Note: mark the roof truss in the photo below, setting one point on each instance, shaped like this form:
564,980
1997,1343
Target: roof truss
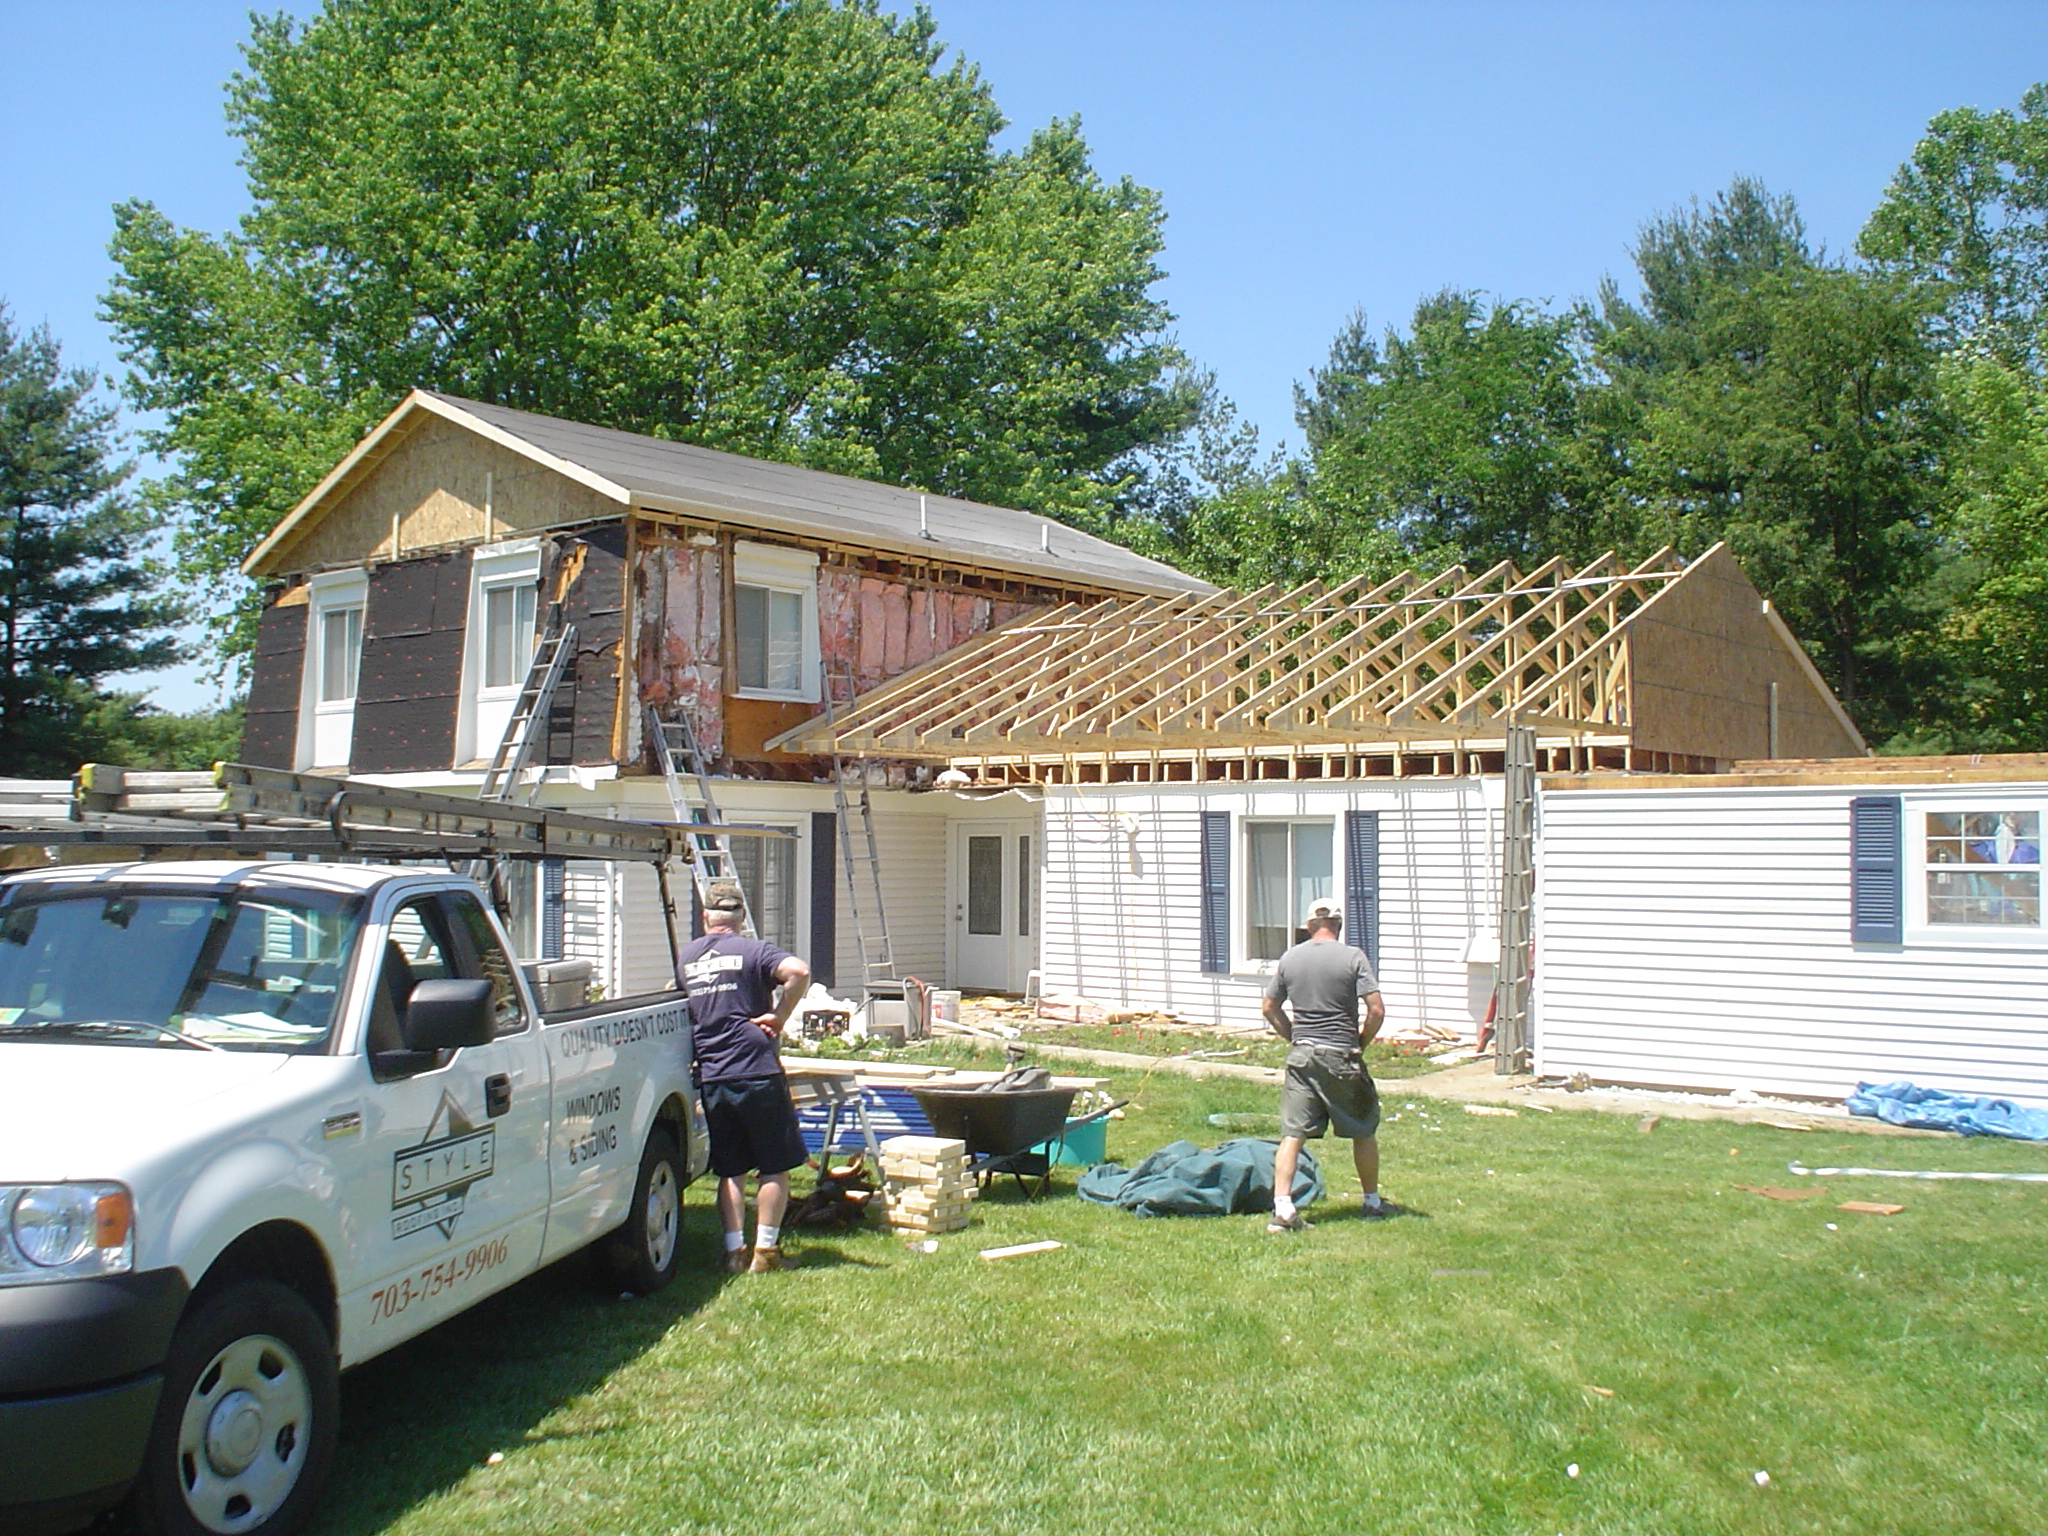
1452,656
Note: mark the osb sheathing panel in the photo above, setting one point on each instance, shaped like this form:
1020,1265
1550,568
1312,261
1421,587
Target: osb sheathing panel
1703,657
438,482
590,573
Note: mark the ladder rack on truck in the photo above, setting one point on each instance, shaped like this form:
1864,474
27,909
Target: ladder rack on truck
236,807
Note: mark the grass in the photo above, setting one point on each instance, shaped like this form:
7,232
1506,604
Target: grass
1428,1374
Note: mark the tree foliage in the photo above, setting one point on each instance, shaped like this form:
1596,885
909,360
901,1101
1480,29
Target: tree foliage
77,602
1968,212
779,227
1762,394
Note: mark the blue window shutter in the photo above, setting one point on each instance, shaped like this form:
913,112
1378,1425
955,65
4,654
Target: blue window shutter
824,896
553,885
1877,904
1362,882
696,910
1216,892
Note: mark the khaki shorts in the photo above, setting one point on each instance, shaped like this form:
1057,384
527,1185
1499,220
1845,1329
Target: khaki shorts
1326,1087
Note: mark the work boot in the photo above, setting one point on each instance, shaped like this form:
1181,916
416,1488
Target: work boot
766,1260
737,1260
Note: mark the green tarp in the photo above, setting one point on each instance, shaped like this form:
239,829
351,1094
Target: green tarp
1233,1179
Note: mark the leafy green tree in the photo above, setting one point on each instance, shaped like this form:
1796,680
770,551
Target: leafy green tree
1993,636
1765,395
1969,211
125,728
779,227
77,601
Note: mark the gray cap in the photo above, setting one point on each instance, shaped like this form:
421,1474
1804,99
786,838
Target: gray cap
724,896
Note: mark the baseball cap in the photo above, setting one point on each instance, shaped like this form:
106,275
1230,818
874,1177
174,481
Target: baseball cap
724,896
1318,910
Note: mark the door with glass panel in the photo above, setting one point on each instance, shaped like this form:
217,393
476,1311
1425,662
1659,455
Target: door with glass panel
995,904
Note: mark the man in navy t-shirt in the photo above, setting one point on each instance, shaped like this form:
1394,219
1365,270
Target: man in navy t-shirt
736,1018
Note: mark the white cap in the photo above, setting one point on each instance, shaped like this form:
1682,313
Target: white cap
1318,910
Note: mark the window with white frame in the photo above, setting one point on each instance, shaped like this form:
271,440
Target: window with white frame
504,604
775,623
334,657
766,868
1289,864
1981,868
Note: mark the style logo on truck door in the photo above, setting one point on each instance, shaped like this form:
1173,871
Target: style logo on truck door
430,1182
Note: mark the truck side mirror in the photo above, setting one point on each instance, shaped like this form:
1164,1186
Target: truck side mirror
447,1015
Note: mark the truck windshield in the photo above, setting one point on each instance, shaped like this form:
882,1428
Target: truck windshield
245,969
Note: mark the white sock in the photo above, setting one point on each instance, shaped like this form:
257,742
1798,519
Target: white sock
1372,1201
735,1241
1283,1207
767,1237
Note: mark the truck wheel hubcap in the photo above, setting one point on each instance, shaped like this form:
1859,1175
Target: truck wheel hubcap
243,1436
662,1213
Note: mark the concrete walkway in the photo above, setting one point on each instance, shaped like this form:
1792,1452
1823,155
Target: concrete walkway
1475,1082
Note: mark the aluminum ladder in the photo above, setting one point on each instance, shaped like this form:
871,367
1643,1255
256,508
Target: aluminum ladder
860,856
1511,1039
682,766
551,655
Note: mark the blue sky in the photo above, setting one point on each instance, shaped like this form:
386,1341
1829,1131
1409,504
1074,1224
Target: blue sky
1314,157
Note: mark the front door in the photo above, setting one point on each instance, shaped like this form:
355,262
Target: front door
995,904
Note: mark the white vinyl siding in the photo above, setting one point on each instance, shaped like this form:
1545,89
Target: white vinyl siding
1700,939
913,847
1121,901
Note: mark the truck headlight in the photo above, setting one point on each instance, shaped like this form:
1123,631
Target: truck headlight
65,1232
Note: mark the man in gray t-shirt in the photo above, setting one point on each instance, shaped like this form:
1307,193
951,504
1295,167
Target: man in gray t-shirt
1326,1086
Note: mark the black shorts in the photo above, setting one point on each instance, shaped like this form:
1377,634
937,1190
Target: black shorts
753,1127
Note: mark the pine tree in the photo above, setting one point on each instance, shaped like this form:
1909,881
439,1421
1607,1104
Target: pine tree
78,603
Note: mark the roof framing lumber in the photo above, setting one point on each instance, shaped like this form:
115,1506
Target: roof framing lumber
1453,656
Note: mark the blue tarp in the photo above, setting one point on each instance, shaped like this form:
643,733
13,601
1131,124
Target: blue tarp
1181,1179
1936,1109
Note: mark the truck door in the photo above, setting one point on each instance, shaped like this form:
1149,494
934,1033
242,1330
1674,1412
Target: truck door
446,1188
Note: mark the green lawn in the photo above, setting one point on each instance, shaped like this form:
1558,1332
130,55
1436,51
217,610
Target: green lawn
1387,1061
1428,1374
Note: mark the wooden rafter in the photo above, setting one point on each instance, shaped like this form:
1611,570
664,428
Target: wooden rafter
1451,656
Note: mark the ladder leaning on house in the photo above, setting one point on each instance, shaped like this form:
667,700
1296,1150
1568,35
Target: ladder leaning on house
551,653
683,769
862,860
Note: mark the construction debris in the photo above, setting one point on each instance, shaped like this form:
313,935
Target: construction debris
1917,1173
925,1184
1492,1109
1649,1123
1870,1207
1017,1249
1772,1192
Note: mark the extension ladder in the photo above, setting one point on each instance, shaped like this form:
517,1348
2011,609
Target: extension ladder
861,856
683,766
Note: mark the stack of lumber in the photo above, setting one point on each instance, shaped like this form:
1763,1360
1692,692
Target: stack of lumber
925,1183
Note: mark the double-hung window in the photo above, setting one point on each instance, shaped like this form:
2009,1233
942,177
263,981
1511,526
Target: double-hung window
504,604
334,657
1289,865
775,623
1948,868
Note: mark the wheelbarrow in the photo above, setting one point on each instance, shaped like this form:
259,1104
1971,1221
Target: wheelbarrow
1001,1129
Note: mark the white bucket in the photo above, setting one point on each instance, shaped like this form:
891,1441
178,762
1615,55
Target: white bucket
946,1006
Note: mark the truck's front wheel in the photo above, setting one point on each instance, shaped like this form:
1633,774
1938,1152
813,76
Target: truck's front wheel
246,1425
644,1250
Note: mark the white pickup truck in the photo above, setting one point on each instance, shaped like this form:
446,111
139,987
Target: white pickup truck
262,1121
